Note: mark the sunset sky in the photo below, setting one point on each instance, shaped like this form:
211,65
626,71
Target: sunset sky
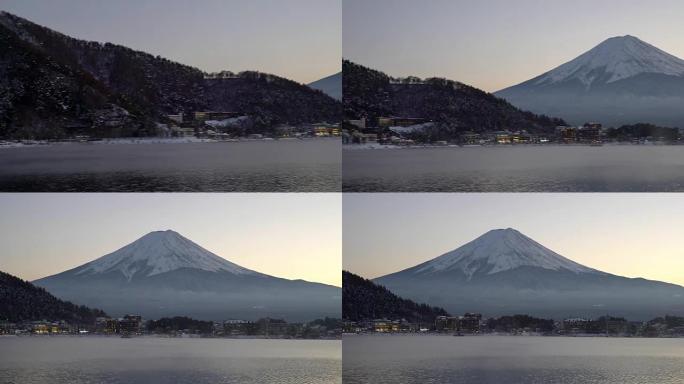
493,44
633,235
297,39
295,236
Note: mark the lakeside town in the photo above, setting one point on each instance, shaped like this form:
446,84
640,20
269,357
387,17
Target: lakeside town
135,325
523,325
417,131
200,126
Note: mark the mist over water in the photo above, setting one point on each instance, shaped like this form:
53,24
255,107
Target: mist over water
112,360
611,168
512,360
280,166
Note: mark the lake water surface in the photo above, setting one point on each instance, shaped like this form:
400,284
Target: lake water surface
551,168
248,166
158,360
381,359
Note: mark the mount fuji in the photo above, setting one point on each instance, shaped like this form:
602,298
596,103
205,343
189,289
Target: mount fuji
165,274
331,85
623,80
504,272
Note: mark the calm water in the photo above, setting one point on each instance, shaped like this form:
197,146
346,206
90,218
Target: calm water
614,168
511,360
156,360
292,165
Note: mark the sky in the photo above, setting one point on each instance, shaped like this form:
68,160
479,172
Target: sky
294,236
633,235
297,39
493,44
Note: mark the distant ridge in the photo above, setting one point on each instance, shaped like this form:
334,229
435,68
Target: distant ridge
22,301
331,85
54,85
364,300
455,106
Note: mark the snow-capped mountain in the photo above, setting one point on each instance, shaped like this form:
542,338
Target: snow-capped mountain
497,251
165,274
331,85
615,59
160,252
505,272
623,80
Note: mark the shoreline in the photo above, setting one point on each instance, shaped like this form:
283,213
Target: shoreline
155,336
373,146
577,336
150,140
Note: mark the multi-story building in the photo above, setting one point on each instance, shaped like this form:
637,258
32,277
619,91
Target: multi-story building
214,115
589,133
130,324
394,121
469,322
565,134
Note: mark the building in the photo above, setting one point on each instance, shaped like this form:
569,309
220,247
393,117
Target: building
386,122
130,324
360,123
565,134
382,325
469,322
237,327
326,130
503,137
268,326
575,325
470,138
521,137
178,118
214,115
589,133
106,325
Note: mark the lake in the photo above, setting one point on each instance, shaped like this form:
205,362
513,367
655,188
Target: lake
551,168
248,166
110,360
381,359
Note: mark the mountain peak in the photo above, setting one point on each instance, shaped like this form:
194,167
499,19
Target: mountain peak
156,253
614,59
499,250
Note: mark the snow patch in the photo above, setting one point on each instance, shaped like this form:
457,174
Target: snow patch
160,252
497,251
617,58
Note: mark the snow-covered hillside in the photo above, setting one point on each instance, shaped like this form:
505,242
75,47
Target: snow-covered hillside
160,252
615,59
497,251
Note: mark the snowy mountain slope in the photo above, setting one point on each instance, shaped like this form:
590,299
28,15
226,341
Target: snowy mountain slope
331,85
160,252
505,272
615,59
623,80
165,274
497,251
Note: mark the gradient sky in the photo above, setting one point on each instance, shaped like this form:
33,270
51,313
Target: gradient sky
633,235
295,236
297,39
493,44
